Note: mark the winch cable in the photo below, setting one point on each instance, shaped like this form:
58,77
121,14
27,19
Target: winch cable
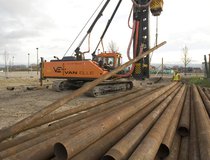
77,50
83,27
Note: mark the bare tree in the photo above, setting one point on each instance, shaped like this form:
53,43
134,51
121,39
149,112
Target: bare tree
185,58
112,47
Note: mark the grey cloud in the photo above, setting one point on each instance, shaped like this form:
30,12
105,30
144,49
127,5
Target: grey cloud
21,19
23,13
19,34
194,39
15,8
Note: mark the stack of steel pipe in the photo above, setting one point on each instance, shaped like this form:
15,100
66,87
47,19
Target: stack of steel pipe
192,138
82,131
74,121
167,122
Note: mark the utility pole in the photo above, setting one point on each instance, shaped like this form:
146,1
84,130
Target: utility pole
162,67
206,67
28,62
13,62
37,66
10,65
6,67
209,68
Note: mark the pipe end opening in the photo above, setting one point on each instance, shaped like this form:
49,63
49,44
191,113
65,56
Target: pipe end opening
163,151
183,131
108,157
60,151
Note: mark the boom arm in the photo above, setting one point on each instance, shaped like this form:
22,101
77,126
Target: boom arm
77,50
106,28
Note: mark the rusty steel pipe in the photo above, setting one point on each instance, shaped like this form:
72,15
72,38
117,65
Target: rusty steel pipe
25,123
208,90
184,123
184,152
45,133
59,125
106,106
44,144
71,111
70,129
193,141
205,100
148,148
124,148
207,94
71,146
45,150
75,127
100,147
166,144
203,125
175,148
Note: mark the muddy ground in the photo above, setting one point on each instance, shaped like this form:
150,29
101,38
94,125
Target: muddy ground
19,103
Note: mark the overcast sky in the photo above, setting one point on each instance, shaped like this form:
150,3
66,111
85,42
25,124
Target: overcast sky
51,25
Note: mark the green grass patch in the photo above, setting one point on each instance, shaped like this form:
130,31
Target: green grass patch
203,82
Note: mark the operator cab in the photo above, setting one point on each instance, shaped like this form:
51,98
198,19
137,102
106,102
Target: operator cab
109,60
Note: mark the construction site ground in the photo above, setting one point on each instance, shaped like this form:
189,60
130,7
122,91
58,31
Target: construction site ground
21,102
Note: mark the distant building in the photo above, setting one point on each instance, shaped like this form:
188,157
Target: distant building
197,70
176,67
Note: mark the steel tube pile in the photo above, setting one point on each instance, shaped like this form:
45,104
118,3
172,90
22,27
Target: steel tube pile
139,124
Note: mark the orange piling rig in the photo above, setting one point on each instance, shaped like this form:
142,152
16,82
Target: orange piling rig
26,123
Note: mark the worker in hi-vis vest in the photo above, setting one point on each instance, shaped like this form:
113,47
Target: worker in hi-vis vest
176,76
